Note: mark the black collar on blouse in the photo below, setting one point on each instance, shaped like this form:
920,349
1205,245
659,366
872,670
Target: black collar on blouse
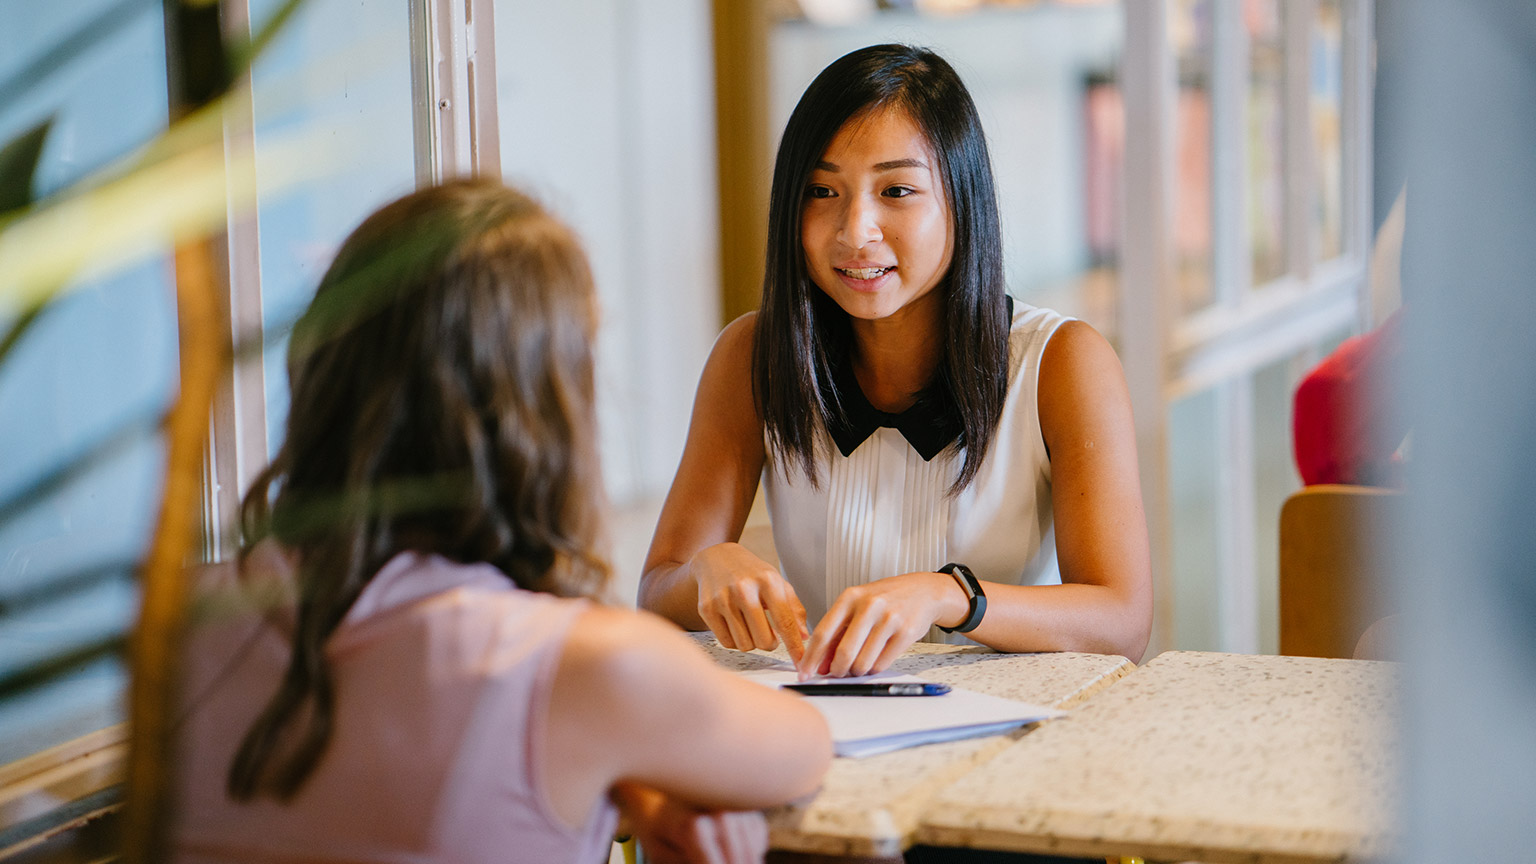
929,425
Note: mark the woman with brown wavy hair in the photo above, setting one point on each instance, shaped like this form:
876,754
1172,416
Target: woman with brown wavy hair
402,675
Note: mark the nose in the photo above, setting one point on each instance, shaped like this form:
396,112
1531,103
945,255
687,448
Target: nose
860,224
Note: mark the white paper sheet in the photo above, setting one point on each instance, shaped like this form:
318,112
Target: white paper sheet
866,725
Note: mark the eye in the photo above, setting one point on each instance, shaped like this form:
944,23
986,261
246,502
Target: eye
899,191
818,192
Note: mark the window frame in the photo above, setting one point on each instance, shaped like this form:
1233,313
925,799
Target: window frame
1167,355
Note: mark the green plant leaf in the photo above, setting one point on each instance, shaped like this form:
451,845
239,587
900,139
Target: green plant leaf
240,52
177,194
321,514
18,164
61,664
59,584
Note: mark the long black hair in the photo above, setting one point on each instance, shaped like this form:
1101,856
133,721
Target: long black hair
442,385
800,330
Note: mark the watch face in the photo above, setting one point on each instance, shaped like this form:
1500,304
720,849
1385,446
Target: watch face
964,576
969,578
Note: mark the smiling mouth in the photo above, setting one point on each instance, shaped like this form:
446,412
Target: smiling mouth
864,272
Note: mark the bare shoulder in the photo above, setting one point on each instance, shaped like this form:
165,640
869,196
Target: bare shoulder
1076,348
604,639
637,699
623,656
726,385
733,347
613,690
1081,380
1078,357
741,329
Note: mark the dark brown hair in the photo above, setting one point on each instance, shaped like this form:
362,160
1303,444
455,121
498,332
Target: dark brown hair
800,330
442,389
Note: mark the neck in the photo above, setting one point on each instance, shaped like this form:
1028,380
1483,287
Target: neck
895,357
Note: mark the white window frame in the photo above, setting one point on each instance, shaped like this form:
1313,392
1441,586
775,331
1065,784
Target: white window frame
1167,356
453,82
454,118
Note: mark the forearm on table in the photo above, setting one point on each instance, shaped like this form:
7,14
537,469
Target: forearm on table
669,590
1095,619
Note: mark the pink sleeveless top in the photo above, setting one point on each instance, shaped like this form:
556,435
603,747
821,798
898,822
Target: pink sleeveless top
443,673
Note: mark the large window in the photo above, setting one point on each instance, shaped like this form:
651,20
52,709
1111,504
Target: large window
92,374
1288,142
340,77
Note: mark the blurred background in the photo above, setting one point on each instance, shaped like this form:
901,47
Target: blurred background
1216,185
1194,178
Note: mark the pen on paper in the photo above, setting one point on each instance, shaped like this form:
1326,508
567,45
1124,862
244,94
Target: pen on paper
893,689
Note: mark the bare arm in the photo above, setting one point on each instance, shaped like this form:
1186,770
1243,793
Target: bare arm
696,574
634,700
1104,603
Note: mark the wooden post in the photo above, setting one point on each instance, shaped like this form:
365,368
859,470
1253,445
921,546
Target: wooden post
197,73
745,164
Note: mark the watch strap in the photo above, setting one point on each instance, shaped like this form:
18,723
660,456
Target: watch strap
972,588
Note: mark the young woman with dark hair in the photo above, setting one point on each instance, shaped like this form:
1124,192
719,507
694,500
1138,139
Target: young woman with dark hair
930,448
392,671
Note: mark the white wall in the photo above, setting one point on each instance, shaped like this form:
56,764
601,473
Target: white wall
607,115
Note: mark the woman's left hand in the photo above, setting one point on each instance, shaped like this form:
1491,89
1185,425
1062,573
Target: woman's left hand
869,625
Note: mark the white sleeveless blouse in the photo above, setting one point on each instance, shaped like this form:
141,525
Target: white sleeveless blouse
882,510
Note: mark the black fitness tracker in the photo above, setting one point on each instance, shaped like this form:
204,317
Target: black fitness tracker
972,588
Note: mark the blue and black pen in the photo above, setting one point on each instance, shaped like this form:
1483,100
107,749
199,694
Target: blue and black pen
900,688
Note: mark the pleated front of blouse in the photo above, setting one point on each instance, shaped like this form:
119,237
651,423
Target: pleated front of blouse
883,510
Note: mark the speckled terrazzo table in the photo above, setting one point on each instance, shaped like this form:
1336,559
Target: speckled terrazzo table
872,806
1207,757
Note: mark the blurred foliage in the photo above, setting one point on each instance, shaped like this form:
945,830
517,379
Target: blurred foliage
180,187
178,191
18,164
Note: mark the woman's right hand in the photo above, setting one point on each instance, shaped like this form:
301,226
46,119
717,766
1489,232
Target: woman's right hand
745,602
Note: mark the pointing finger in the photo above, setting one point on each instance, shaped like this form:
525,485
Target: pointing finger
817,651
788,628
788,619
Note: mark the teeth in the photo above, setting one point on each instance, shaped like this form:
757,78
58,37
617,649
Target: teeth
864,272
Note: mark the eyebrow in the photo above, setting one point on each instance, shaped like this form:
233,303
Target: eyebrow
879,166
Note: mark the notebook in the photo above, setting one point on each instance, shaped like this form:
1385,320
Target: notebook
867,725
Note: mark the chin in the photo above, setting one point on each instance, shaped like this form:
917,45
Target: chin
868,307
873,314
869,311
